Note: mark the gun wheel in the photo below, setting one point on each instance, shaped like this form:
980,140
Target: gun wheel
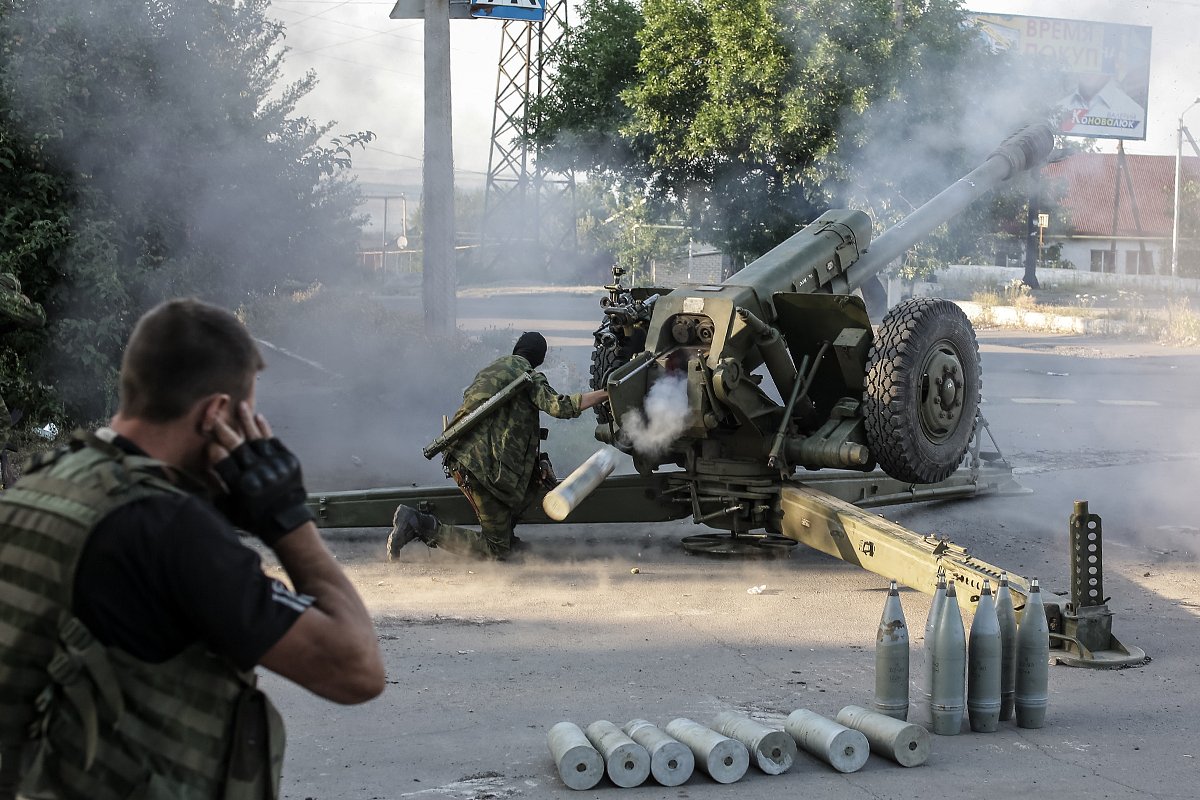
611,351
922,390
605,358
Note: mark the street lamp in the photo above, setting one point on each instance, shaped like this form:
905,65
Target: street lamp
1178,170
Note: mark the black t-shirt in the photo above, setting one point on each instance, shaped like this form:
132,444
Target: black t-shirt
160,574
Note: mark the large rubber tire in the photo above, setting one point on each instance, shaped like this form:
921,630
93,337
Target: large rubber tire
605,358
922,390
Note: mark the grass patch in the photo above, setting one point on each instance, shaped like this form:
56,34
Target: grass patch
1182,326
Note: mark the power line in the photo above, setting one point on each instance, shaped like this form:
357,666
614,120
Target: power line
326,11
394,33
391,153
338,44
389,45
393,23
372,67
418,159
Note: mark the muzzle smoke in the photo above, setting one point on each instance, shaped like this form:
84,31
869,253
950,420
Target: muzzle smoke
653,429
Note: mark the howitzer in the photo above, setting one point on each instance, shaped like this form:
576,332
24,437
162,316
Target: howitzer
904,397
846,398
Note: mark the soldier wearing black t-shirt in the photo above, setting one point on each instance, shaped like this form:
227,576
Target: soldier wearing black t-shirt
127,560
132,617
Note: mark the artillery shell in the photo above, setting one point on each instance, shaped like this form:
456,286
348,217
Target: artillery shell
579,764
935,608
774,751
891,659
565,497
671,762
844,749
723,759
1031,695
984,661
627,761
1008,641
949,669
902,742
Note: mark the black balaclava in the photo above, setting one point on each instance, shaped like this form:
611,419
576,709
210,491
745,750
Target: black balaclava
532,347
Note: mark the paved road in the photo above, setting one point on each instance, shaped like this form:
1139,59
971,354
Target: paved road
483,659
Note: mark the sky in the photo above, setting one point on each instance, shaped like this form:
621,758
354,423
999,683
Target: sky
370,73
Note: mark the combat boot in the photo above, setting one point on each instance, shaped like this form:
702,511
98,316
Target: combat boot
408,524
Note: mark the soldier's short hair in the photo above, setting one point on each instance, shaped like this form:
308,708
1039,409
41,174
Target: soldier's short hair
182,351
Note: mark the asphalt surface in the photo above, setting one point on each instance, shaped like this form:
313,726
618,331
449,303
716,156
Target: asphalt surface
484,658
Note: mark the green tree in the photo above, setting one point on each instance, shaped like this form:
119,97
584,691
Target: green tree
1189,229
751,118
153,155
577,125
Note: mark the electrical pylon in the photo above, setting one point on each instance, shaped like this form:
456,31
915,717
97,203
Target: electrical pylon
529,211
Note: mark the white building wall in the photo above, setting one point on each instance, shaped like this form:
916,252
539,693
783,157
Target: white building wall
1079,252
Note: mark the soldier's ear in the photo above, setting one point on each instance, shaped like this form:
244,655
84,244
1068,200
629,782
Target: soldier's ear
212,408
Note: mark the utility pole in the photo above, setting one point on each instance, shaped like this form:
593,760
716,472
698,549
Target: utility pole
438,280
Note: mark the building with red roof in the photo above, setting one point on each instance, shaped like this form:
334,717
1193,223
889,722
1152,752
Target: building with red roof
1142,196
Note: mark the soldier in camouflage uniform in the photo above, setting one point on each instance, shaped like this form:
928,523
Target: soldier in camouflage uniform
496,464
16,311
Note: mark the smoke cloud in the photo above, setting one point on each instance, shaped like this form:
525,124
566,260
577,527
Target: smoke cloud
652,430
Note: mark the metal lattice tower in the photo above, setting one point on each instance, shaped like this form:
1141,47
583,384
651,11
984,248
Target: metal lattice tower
529,211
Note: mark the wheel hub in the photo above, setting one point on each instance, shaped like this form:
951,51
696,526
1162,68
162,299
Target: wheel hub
942,392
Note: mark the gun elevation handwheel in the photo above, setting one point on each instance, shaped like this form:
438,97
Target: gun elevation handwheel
922,390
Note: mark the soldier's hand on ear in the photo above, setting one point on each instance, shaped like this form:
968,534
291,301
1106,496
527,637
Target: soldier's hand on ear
266,495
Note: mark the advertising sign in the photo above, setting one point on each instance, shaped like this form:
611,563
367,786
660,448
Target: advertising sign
530,10
1107,65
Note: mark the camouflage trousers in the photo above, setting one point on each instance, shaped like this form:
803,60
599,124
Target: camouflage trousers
6,470
6,426
496,520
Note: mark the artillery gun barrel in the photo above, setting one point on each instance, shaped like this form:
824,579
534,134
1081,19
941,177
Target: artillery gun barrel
1023,150
835,252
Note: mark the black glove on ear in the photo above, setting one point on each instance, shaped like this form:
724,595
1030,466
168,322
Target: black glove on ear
266,489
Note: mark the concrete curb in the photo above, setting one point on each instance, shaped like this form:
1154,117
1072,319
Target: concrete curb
1012,317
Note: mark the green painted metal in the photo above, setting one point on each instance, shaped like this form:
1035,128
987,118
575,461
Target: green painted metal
659,497
621,498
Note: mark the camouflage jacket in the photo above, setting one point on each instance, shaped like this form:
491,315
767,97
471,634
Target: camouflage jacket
501,451
18,311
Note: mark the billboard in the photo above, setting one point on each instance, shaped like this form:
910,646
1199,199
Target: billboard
529,10
1107,67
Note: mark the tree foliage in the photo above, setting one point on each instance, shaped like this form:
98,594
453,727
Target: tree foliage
577,125
750,118
149,152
